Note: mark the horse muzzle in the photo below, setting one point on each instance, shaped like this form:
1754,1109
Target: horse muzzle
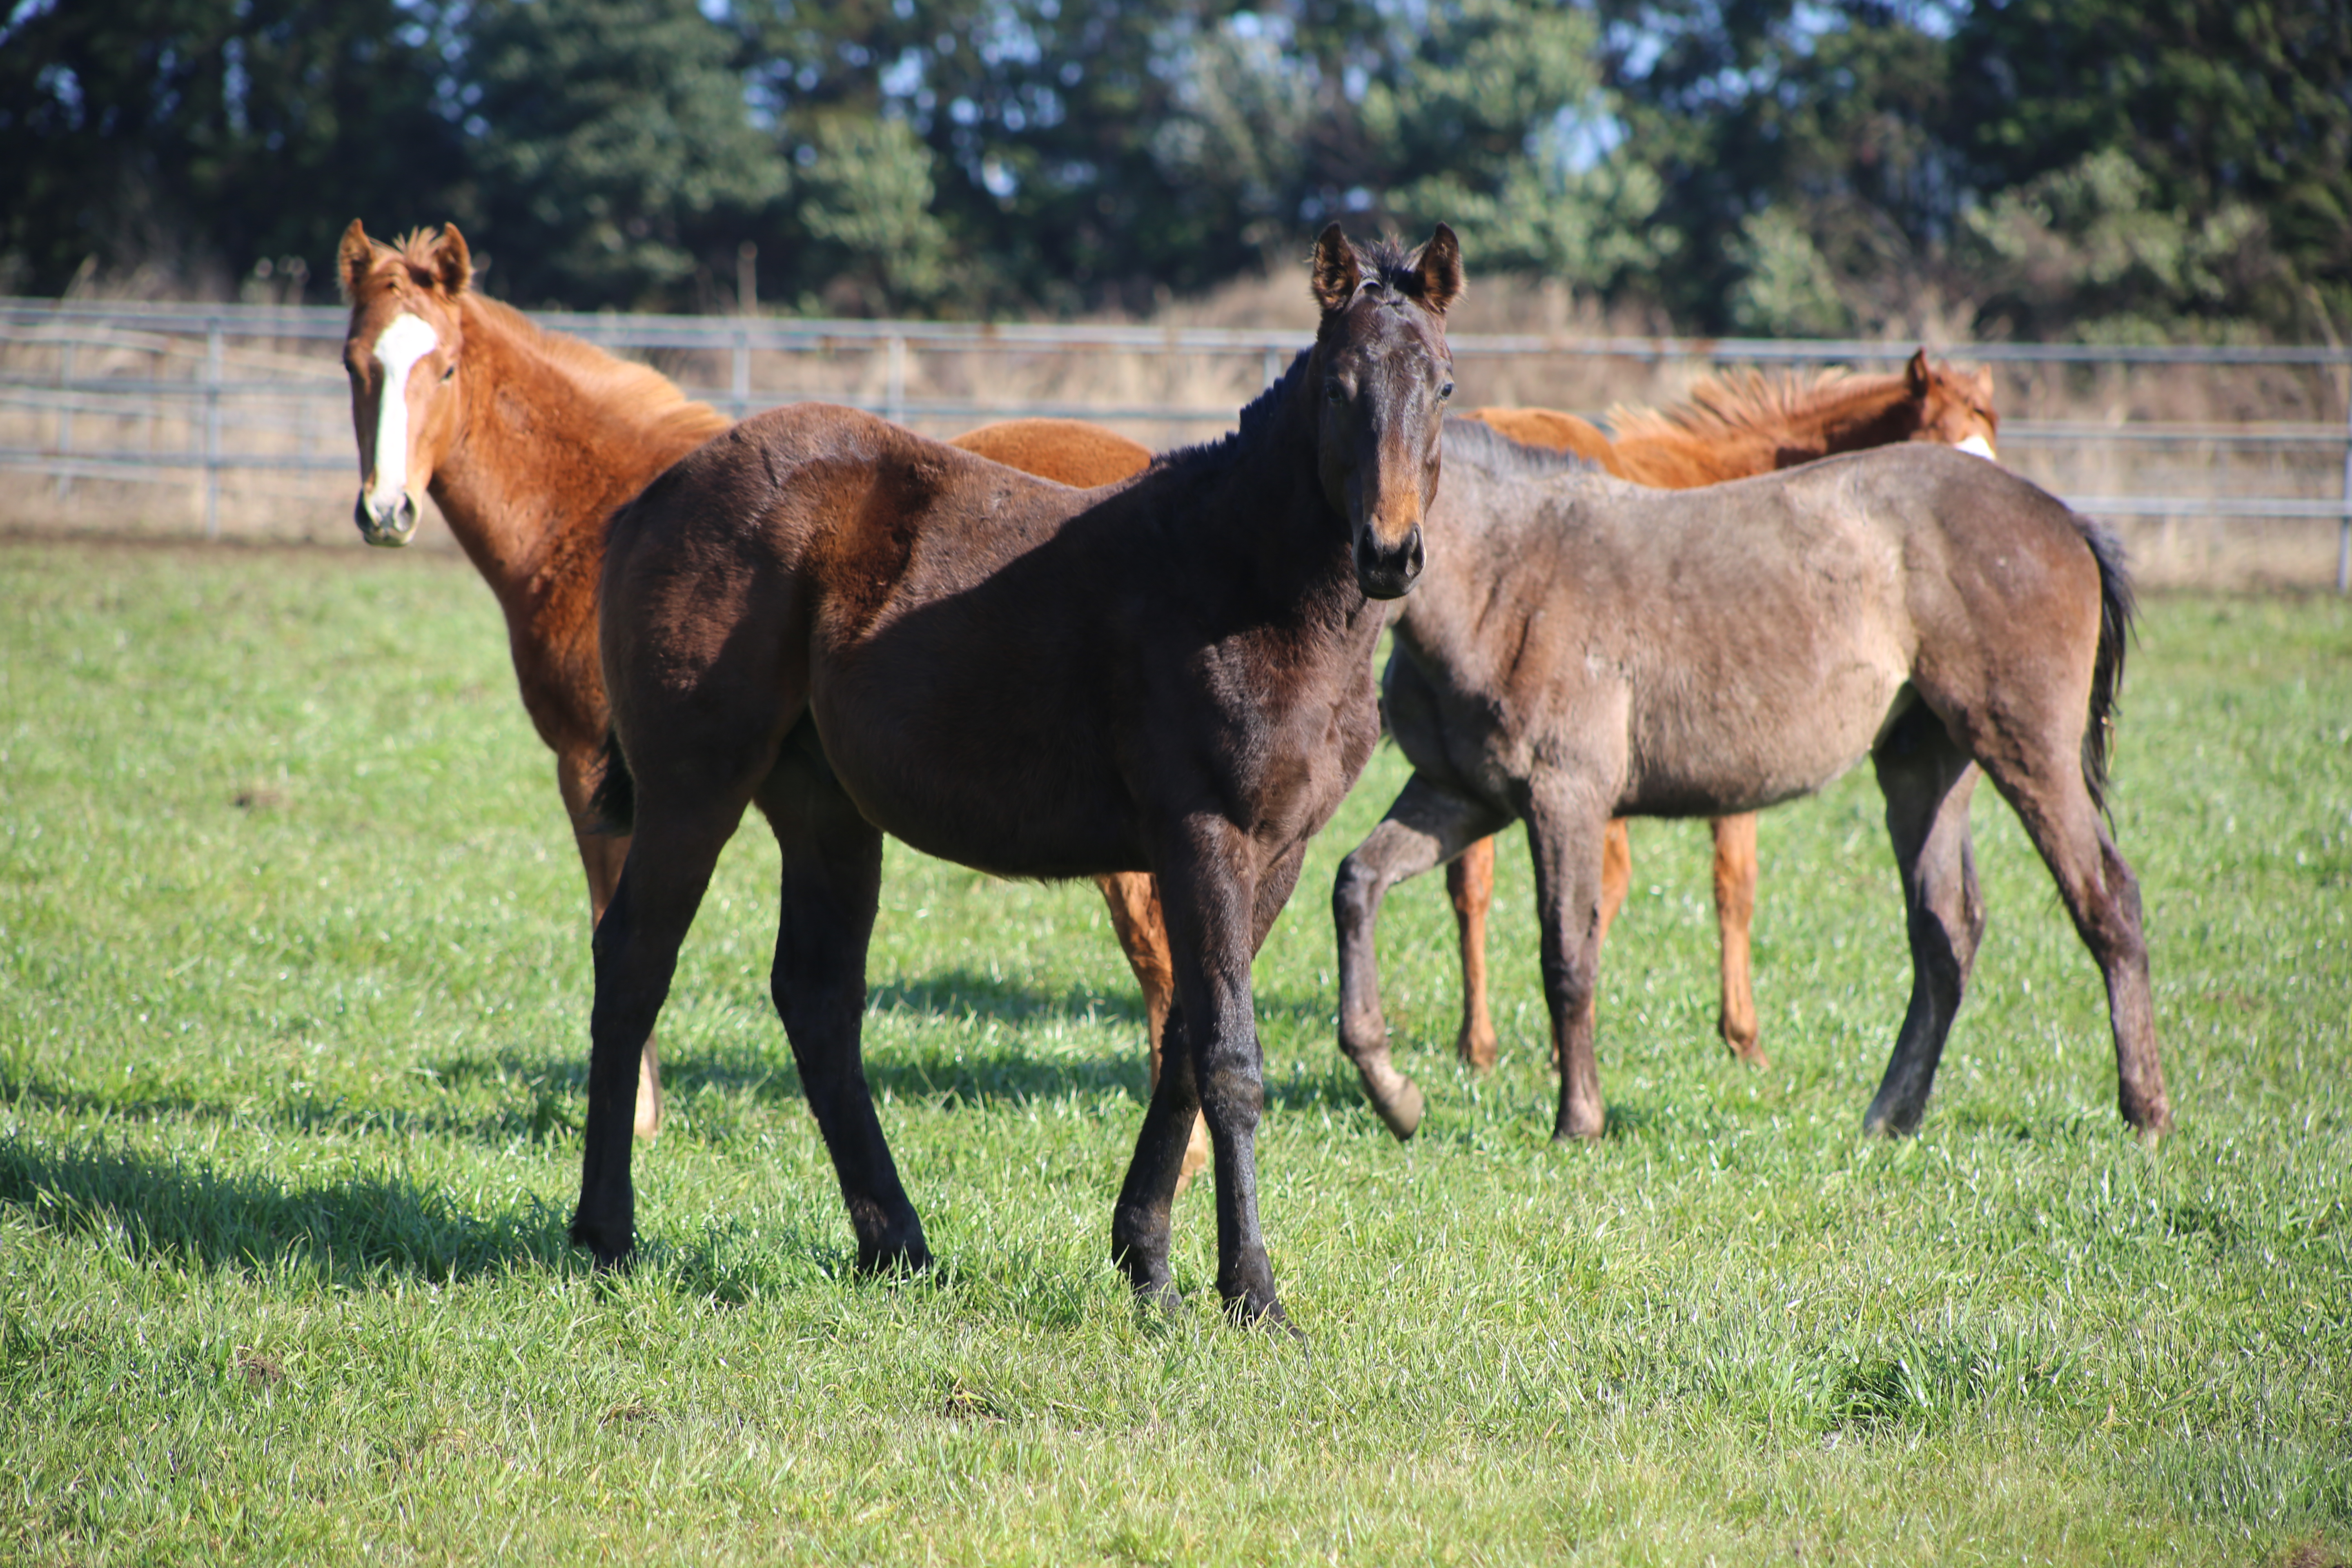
1388,571
389,526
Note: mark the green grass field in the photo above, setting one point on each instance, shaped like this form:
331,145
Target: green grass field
293,1003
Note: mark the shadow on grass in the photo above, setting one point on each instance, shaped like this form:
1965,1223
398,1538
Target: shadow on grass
350,1233
361,1233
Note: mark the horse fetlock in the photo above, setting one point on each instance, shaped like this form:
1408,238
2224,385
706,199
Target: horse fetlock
2151,1115
1477,1046
1394,1096
611,1246
888,1241
1743,1038
1246,1284
1138,1248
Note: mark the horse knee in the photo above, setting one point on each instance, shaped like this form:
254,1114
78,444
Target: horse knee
1232,1094
1357,891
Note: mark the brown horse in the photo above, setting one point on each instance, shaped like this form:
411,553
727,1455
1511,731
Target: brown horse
1731,428
1920,606
528,441
861,631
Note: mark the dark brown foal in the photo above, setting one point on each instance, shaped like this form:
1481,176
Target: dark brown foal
860,631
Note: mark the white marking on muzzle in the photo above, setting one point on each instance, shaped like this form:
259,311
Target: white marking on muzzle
1977,445
397,349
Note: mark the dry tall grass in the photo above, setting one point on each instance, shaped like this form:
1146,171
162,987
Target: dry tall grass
2081,430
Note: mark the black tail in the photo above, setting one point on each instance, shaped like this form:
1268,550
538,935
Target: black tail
2116,610
614,802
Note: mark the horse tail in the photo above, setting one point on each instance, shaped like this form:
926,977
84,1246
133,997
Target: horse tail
2116,607
613,803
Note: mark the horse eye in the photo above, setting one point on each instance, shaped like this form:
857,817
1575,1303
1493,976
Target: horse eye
1335,393
450,371
1445,391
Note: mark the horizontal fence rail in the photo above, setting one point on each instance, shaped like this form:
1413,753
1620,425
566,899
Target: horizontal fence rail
199,394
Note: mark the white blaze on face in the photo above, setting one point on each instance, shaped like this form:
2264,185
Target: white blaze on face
1979,446
398,349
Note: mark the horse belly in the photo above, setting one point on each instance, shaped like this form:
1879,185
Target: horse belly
951,782
1755,744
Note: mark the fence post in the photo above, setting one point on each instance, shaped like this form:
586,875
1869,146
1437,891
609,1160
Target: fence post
2344,524
212,427
1273,364
894,399
742,369
65,420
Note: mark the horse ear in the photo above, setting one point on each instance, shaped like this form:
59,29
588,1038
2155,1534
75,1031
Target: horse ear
1438,265
453,265
1335,273
353,259
1983,381
1917,375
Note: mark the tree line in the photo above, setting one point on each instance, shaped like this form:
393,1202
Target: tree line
2103,169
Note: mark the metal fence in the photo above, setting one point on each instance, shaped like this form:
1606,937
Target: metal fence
239,408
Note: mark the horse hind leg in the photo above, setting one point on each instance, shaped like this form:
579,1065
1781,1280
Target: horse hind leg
669,867
1927,780
1470,883
1133,899
1735,919
602,854
2102,896
831,886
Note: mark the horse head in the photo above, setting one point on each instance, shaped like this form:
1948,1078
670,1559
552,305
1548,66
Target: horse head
1954,409
401,352
1381,373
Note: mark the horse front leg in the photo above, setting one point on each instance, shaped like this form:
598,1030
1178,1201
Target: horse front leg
831,886
1426,826
1565,837
1210,891
602,853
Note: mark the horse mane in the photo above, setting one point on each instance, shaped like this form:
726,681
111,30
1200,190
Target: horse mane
1481,447
1749,403
635,392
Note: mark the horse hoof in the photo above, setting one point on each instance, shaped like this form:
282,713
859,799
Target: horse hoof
893,1260
1251,1311
1478,1051
1400,1109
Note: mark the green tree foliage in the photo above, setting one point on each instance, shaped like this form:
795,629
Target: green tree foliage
613,149
209,134
2088,167
2230,122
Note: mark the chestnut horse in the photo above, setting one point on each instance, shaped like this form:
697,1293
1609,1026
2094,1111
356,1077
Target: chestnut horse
1732,427
526,441
1917,605
860,631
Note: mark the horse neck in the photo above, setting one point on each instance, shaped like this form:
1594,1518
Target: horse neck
537,464
1232,491
1876,412
1873,412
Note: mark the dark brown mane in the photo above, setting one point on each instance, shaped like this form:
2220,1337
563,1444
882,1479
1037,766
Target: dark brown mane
1749,403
